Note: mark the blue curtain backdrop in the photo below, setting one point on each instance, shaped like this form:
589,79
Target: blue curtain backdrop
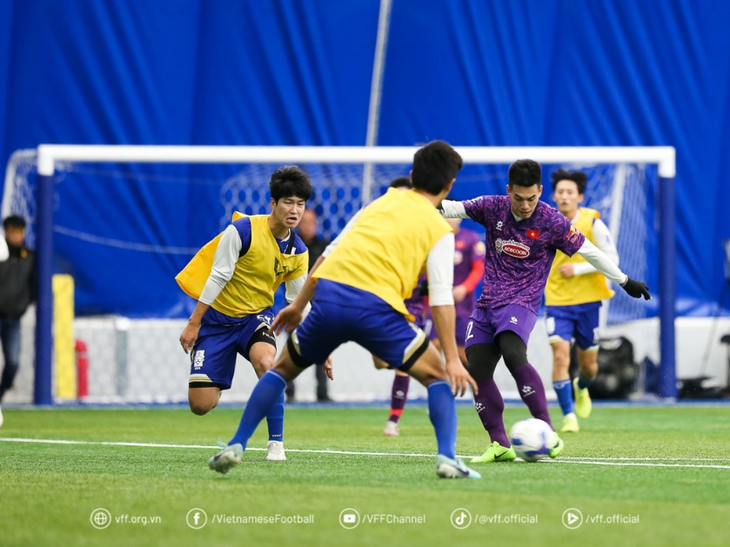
289,72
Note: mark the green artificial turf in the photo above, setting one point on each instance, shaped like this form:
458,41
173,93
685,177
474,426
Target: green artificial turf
647,462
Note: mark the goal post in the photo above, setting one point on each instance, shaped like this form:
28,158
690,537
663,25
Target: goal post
49,156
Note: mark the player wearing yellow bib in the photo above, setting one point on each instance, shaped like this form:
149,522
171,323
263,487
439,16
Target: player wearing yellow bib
573,298
234,278
361,286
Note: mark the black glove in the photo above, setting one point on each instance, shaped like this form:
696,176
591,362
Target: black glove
636,289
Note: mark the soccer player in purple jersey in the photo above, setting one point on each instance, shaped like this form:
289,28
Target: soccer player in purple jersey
522,237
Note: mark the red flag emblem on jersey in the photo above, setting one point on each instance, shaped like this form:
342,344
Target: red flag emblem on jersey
533,234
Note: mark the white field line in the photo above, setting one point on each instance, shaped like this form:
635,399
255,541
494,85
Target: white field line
621,462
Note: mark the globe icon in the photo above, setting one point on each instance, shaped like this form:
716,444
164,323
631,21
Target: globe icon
100,519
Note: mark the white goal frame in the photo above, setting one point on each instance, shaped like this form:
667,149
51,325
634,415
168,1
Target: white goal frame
49,154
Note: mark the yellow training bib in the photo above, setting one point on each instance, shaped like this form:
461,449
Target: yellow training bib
578,289
385,251
257,275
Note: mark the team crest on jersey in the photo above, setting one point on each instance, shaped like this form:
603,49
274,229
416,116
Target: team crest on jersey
279,268
512,248
574,232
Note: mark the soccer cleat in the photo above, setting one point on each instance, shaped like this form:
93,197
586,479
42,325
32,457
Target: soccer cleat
570,424
583,404
448,468
496,453
391,429
557,447
226,459
1,417
275,451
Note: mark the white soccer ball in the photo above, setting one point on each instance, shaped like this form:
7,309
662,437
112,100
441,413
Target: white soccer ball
532,439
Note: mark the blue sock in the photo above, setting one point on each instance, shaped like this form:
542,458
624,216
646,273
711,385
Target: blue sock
564,391
265,395
583,383
442,411
275,420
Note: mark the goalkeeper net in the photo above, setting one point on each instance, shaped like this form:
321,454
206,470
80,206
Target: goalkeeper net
123,230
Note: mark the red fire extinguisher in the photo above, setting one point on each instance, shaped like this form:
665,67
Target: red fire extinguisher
82,370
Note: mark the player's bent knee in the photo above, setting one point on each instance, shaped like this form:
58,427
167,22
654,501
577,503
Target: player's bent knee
429,367
203,399
200,410
262,365
202,407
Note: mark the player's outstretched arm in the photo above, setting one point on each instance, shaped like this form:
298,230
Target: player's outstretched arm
605,265
604,241
453,209
289,318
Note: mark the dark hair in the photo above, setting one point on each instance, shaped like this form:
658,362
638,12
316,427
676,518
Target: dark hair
578,177
401,182
524,173
14,221
434,167
290,181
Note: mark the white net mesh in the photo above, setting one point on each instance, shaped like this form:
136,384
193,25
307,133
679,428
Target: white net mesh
139,360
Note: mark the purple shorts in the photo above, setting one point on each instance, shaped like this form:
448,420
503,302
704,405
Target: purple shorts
485,325
461,322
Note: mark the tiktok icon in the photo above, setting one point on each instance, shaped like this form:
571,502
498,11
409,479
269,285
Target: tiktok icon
461,518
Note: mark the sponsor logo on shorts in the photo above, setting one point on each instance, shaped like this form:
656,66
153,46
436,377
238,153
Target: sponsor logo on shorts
264,319
512,248
513,320
198,359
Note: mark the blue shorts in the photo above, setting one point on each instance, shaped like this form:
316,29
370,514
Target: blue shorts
579,322
341,313
221,338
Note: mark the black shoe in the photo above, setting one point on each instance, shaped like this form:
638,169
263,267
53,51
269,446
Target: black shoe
324,399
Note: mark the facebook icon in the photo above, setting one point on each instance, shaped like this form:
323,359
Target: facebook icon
196,518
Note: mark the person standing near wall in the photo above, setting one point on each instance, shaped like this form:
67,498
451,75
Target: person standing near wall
18,290
308,233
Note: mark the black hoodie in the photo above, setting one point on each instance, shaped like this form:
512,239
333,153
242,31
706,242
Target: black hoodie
18,282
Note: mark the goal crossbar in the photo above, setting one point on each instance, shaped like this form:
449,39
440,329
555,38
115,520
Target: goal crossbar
48,154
